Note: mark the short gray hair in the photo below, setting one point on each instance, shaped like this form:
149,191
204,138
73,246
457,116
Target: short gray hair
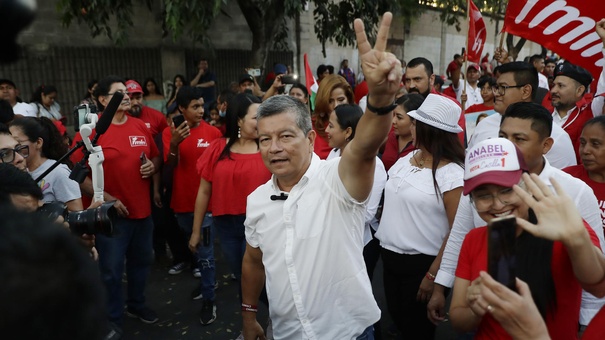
286,104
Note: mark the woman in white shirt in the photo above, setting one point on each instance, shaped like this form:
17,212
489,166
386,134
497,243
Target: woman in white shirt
421,199
44,102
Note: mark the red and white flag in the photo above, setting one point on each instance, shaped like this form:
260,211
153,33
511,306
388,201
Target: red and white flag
565,27
311,83
476,33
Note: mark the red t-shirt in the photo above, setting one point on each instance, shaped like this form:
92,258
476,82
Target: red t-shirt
451,67
153,119
563,323
596,327
360,91
186,181
579,172
233,178
391,151
122,147
478,108
321,147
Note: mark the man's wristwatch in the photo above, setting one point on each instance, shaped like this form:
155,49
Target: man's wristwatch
380,110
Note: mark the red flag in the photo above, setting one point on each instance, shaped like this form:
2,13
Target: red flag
476,33
565,27
310,82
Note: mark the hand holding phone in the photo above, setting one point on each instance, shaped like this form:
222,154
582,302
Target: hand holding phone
143,158
501,259
178,120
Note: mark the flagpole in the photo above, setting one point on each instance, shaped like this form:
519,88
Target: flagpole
468,24
502,38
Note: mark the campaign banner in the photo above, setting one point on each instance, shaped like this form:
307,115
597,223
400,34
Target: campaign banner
565,27
472,119
476,33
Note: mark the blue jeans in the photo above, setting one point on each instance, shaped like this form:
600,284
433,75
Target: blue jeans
204,257
132,239
368,334
231,232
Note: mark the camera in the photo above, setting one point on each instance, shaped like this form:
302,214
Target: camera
91,221
81,114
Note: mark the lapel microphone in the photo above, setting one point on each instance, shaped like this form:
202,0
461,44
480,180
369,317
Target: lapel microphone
281,197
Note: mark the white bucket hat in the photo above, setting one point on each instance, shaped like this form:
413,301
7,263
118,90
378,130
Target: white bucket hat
439,112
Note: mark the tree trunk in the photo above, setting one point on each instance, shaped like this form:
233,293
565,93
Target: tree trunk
513,49
263,27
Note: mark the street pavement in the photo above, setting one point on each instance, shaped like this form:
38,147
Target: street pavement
170,297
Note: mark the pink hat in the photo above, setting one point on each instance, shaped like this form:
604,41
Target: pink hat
493,161
133,87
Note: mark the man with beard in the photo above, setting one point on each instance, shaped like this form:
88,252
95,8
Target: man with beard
153,119
419,78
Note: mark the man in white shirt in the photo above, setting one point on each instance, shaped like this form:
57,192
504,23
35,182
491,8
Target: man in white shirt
473,92
528,126
8,92
518,82
537,61
304,227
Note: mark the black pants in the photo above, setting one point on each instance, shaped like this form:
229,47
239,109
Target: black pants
166,230
402,277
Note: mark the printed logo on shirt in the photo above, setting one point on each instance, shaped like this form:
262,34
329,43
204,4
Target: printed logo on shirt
602,206
148,125
43,185
202,144
137,141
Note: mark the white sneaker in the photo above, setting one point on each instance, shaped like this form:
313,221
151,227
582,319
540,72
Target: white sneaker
197,273
177,268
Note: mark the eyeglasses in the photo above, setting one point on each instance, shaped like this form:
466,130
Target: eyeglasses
124,92
484,201
8,155
501,89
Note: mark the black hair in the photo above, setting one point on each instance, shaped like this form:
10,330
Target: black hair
535,57
183,79
226,96
330,69
103,88
53,146
158,90
438,81
541,119
600,120
524,73
441,145
533,257
550,61
52,288
186,95
237,108
6,112
428,66
348,115
42,89
456,56
301,87
487,80
89,86
16,181
4,130
410,101
321,69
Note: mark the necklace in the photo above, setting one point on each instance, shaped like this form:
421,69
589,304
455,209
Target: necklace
422,160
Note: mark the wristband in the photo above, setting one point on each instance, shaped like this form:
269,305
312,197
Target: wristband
430,276
249,308
380,110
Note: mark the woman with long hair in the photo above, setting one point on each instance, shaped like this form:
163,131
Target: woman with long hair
333,91
420,202
43,101
231,168
178,82
152,95
46,145
399,142
555,264
90,89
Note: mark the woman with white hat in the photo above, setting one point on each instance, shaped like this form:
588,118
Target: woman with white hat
421,199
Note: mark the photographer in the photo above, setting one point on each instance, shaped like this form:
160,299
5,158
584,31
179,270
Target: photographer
18,189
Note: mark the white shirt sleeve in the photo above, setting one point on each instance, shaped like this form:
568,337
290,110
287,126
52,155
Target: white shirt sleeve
598,102
562,154
463,223
380,179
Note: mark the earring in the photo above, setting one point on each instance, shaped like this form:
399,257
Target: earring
239,133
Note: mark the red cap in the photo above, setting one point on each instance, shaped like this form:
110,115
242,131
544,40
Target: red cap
133,87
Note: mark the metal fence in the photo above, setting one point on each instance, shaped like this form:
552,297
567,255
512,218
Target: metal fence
71,68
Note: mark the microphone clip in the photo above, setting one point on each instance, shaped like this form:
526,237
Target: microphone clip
280,197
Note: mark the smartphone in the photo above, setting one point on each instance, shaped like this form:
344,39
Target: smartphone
255,72
80,116
501,261
143,158
288,79
178,120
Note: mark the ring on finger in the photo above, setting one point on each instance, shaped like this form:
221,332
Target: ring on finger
490,308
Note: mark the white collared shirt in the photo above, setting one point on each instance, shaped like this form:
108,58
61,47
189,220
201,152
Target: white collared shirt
560,155
467,219
557,119
312,245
